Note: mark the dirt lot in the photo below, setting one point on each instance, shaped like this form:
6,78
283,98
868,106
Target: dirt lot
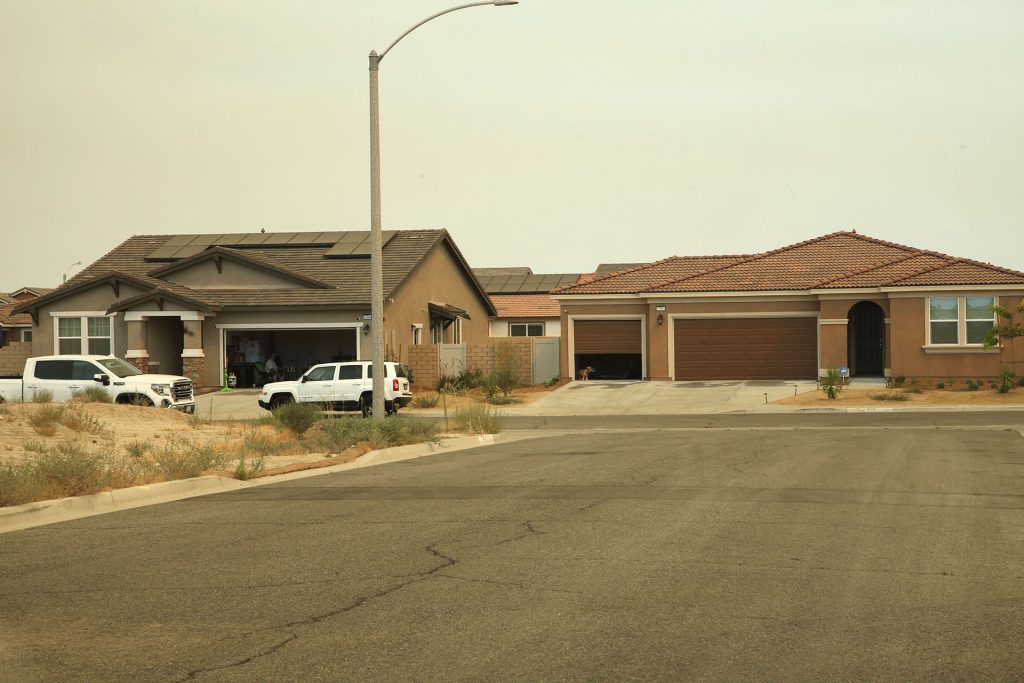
520,396
930,397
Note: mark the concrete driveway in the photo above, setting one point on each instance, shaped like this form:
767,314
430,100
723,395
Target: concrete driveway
663,398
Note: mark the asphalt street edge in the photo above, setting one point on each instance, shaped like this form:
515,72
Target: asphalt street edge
18,517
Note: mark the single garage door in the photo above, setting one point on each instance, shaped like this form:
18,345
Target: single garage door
613,348
746,348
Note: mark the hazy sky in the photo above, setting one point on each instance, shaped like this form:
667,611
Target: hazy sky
556,133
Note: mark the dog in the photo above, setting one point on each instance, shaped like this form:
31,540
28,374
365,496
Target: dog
585,373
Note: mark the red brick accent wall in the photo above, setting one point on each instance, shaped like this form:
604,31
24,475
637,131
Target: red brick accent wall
13,357
141,363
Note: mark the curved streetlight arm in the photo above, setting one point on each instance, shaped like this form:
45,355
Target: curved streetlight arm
441,13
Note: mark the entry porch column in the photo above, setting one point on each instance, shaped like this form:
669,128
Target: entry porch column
193,360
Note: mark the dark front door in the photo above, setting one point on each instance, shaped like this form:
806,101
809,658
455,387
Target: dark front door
867,337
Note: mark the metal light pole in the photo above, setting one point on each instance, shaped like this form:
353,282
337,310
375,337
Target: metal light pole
376,256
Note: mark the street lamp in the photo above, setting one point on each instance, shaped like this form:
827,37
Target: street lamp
68,270
376,246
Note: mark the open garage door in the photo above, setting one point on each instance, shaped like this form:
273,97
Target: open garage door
613,348
247,350
746,348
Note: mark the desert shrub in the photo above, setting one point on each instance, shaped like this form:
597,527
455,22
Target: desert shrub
334,436
940,385
914,390
1020,381
900,379
503,400
1007,381
44,420
891,396
70,470
42,396
832,384
137,448
972,385
298,417
19,483
427,400
35,446
244,470
463,381
262,444
92,395
478,419
79,421
552,382
182,459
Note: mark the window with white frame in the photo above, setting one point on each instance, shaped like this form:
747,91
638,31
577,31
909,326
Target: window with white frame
457,331
417,334
526,329
26,335
959,321
85,335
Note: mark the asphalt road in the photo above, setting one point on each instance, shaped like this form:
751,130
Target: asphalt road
860,553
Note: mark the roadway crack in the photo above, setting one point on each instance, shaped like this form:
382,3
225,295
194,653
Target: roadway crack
358,602
530,531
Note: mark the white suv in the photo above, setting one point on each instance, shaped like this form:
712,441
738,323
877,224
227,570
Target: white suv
342,386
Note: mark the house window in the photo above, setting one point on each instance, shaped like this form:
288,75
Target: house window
85,335
417,335
959,321
526,329
26,335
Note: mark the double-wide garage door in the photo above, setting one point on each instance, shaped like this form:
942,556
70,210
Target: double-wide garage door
746,348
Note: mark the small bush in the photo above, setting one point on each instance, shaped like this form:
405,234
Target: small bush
35,446
92,395
503,400
261,443
464,381
138,448
478,419
900,379
298,417
552,382
44,420
832,384
893,396
972,385
914,390
42,396
940,385
244,472
428,400
1007,381
78,421
19,483
182,459
70,470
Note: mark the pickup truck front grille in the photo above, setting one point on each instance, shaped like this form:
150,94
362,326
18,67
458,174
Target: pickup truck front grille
182,390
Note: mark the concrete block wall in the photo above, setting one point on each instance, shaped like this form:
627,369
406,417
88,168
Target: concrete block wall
13,357
423,361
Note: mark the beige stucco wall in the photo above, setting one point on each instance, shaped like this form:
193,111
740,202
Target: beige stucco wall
99,299
438,279
233,275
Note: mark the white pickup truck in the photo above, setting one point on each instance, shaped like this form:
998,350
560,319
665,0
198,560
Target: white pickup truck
342,386
63,376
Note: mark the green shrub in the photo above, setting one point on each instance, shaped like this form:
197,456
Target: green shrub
832,384
298,417
972,385
42,396
463,381
478,419
503,400
35,446
900,379
914,390
427,400
244,472
44,420
1007,381
940,385
94,394
552,382
260,443
336,435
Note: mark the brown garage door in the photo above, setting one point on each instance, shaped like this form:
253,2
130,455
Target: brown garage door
607,336
746,348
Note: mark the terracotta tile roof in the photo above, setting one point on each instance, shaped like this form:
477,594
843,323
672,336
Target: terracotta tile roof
525,306
10,319
341,281
836,260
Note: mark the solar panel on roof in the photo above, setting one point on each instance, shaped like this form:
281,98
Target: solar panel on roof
164,253
205,240
253,239
179,240
190,250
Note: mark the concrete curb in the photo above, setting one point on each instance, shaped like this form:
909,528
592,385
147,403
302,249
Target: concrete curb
45,512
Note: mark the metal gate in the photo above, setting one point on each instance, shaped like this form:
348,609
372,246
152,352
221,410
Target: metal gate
545,360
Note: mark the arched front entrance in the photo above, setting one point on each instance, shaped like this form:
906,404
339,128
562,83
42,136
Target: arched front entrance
866,339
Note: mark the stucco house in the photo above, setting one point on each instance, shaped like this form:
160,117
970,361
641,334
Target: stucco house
522,300
843,300
17,327
204,305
